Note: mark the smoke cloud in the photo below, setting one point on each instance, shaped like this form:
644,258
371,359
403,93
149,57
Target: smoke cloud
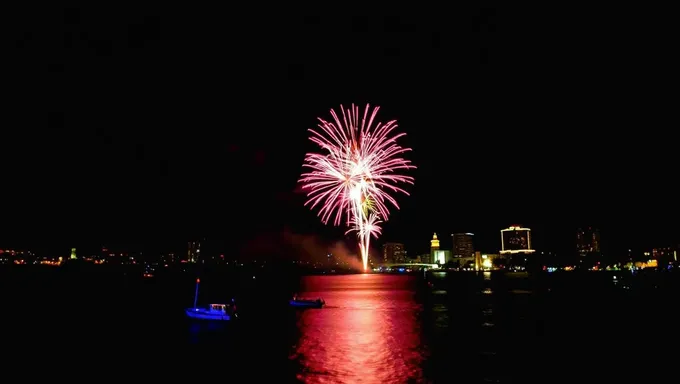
313,249
289,246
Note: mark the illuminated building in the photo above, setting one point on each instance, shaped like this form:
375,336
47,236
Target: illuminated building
516,245
587,241
434,243
73,253
647,264
463,245
194,253
441,256
516,239
485,261
394,253
437,255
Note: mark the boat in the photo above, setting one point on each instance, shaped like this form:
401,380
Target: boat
306,303
219,312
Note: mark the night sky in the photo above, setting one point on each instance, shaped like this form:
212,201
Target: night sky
149,127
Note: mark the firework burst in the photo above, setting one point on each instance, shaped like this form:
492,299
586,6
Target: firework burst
360,165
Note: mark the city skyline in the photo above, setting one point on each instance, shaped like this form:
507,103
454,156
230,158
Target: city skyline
217,246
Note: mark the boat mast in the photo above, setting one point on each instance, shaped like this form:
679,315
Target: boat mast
196,294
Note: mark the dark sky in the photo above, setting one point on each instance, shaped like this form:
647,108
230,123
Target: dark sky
148,127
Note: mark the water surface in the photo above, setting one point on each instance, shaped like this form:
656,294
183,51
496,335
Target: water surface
457,327
368,333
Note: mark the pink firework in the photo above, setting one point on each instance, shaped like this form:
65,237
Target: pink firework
359,166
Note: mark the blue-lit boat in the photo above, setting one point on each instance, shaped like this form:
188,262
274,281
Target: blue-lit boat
307,303
219,312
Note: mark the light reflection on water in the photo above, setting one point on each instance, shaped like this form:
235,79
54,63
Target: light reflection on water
368,333
393,329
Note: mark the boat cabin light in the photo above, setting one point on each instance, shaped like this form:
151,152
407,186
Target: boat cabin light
218,307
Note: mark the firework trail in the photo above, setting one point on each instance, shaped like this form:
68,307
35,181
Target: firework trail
359,166
365,228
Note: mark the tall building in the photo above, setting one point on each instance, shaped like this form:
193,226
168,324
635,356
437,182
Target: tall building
194,253
394,253
516,239
437,255
434,247
516,247
434,243
587,241
463,245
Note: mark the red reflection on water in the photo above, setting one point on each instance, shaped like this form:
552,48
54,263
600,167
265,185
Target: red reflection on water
368,332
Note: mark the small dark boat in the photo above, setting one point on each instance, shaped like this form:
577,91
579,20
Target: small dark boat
306,303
